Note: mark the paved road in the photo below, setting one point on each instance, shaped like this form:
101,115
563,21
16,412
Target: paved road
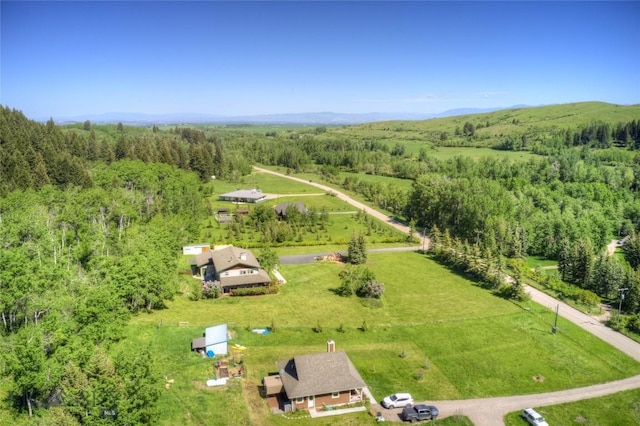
490,411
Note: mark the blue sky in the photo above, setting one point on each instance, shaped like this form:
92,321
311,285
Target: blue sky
242,58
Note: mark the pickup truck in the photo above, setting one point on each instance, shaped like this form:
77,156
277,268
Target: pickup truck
419,412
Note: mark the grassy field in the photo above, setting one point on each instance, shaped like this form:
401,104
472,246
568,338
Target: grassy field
621,409
436,335
512,122
538,261
343,222
267,183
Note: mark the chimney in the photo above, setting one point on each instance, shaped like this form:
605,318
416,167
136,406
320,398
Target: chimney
243,256
331,346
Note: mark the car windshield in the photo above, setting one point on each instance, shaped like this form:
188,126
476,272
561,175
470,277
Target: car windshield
539,420
393,397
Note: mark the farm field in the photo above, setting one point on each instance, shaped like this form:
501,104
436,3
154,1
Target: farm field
436,335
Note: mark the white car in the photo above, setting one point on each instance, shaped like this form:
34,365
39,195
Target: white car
397,400
534,419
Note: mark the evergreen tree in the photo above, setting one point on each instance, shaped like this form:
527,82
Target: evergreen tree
357,252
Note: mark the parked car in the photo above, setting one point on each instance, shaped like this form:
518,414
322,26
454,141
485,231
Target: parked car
533,418
419,412
397,400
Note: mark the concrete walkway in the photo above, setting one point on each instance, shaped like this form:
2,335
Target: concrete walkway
314,414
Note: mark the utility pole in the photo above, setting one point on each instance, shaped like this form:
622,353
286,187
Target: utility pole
621,290
555,323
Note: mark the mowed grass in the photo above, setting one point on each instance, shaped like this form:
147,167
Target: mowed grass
436,335
620,409
266,182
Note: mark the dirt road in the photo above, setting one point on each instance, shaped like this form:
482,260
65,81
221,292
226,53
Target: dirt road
490,411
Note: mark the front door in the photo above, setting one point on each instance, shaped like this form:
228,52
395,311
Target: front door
311,401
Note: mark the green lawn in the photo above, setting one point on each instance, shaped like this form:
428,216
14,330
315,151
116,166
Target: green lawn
266,182
619,409
539,261
436,335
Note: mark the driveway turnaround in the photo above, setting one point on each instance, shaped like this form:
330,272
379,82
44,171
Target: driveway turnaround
490,411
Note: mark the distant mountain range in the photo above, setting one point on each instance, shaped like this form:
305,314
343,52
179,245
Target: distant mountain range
312,118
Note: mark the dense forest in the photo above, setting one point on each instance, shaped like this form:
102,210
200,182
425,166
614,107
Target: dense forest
92,216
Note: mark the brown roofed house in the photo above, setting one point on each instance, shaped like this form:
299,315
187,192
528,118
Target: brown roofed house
315,381
233,267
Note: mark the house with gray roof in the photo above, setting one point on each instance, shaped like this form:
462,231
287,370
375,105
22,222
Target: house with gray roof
233,267
243,196
316,381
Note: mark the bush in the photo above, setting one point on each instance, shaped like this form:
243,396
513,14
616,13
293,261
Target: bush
195,290
634,323
371,289
211,289
250,291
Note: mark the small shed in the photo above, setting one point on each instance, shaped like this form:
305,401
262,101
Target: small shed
272,385
214,341
194,249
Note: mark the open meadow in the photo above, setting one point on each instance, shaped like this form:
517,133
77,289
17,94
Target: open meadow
435,334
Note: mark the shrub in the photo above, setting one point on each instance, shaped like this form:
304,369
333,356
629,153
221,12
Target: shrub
195,290
251,291
634,323
211,289
371,289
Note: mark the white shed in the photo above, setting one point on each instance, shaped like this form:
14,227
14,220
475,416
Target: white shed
215,339
196,248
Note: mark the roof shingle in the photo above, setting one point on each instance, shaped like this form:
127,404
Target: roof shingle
319,374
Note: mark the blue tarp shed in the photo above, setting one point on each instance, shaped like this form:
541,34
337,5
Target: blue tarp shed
215,339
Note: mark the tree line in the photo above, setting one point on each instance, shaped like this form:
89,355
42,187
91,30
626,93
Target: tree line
76,264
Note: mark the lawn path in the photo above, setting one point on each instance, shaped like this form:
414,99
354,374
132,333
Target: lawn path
490,411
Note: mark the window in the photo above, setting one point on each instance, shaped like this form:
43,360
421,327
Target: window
299,400
335,395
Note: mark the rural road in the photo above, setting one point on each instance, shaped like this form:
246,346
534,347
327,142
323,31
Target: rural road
490,411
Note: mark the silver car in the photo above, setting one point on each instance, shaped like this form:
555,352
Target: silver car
397,400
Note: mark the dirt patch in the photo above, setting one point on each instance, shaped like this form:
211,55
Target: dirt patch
538,378
333,257
605,313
